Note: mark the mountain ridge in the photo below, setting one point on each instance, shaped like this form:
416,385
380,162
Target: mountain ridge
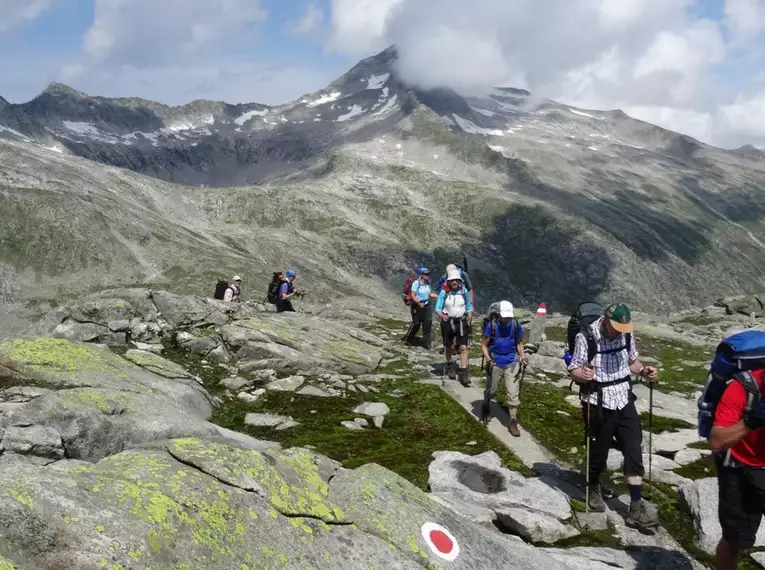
357,183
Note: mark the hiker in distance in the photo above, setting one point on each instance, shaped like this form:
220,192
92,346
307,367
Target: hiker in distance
502,341
455,310
420,296
604,358
286,292
233,292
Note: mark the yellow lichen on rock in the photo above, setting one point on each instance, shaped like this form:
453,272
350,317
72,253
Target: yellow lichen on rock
291,482
58,355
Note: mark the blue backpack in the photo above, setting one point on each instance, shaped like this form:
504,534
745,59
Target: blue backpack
735,358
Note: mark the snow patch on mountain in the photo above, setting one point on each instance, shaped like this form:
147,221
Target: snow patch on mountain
243,118
377,81
13,132
583,114
473,129
87,129
390,104
353,112
324,99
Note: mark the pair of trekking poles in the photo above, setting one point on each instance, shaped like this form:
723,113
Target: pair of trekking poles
588,438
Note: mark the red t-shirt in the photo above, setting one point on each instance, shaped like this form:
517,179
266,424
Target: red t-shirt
750,450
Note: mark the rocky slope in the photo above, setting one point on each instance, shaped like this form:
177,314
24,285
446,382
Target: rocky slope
110,457
358,183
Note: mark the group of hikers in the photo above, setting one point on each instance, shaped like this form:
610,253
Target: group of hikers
281,290
602,359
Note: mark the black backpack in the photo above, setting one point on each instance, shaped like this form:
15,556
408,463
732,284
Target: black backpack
220,290
273,288
587,313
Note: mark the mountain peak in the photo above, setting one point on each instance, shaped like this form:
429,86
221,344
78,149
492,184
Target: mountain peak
56,88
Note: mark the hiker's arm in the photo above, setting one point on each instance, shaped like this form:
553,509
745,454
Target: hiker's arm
440,302
643,371
228,295
578,367
723,438
469,303
485,348
520,347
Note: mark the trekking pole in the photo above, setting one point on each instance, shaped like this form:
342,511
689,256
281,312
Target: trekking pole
650,430
587,467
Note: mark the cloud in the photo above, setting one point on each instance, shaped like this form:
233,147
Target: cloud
152,32
308,24
15,12
229,80
658,58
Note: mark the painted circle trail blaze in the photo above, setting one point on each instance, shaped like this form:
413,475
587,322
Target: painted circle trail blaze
440,541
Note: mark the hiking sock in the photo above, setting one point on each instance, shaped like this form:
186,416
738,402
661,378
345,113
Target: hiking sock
635,492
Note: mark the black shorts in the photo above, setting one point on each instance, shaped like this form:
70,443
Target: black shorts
741,503
455,333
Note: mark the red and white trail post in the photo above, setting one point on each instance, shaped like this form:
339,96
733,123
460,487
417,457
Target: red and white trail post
542,310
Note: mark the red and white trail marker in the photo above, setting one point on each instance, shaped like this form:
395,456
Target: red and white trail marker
441,542
542,310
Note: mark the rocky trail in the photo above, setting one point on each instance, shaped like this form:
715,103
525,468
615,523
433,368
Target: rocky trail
144,429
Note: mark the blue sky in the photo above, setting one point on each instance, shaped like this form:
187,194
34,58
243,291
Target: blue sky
37,52
695,66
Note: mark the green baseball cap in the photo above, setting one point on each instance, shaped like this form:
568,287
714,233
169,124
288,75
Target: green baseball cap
620,317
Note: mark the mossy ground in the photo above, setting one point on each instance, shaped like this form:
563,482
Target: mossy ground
423,420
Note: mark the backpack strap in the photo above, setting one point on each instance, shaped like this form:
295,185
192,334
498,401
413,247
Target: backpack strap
752,399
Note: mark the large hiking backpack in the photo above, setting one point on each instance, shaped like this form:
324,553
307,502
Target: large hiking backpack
407,290
220,290
580,322
273,288
442,280
735,358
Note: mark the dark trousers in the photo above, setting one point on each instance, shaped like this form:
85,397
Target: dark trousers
421,316
606,424
283,306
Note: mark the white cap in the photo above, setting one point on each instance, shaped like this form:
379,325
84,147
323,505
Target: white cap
506,310
451,267
236,278
453,274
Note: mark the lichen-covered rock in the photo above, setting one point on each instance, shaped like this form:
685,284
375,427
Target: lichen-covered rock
296,341
385,505
99,402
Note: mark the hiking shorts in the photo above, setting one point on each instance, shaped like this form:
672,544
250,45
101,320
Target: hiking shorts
458,332
741,503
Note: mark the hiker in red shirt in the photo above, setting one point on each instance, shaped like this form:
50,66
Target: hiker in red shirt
739,446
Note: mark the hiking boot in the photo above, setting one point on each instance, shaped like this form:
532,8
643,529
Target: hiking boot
451,370
597,503
462,375
512,427
639,516
485,413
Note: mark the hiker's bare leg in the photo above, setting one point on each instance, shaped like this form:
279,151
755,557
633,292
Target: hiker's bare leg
448,354
726,556
464,356
634,480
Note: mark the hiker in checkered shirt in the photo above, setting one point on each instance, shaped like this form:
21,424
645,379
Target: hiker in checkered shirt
603,369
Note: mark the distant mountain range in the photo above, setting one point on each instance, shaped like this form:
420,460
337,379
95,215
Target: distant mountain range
361,181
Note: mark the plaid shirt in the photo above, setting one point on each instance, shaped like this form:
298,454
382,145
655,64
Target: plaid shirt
608,367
